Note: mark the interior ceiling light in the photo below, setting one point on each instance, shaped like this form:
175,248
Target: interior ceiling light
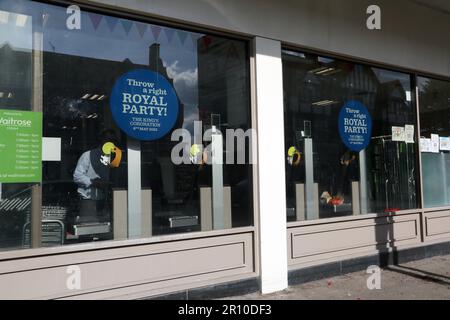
87,95
324,103
95,96
4,17
325,71
101,97
21,20
315,71
329,73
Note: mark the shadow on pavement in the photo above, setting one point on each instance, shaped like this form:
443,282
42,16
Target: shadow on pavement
421,275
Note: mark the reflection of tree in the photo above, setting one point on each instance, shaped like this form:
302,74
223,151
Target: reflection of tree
435,107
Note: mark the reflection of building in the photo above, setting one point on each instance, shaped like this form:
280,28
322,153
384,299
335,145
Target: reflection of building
222,73
15,80
76,109
318,89
223,88
435,111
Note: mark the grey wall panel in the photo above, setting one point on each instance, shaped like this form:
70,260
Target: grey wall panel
412,36
437,225
178,263
363,236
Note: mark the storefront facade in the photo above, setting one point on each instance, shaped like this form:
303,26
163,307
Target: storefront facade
333,143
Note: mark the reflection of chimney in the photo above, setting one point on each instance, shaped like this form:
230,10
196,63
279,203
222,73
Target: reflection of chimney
154,56
155,62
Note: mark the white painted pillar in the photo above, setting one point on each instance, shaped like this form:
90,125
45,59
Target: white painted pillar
134,189
217,180
271,166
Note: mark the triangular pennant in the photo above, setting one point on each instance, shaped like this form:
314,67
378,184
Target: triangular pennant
194,38
142,28
95,19
233,52
156,31
112,22
207,41
182,35
126,24
169,33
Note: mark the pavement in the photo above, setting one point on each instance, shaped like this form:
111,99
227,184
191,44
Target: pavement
427,279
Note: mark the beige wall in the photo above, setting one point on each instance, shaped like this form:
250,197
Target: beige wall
437,225
131,271
413,36
319,241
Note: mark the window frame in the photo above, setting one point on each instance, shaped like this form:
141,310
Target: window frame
138,16
413,74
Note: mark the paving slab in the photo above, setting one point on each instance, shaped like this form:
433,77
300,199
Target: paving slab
427,279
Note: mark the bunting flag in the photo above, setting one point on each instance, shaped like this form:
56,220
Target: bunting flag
142,28
207,40
95,19
194,38
156,31
232,52
182,35
45,18
127,25
111,22
169,33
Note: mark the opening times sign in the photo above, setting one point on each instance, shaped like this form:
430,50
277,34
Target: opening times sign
20,146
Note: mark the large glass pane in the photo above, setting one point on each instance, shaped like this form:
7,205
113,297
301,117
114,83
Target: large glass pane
15,94
101,89
350,142
434,99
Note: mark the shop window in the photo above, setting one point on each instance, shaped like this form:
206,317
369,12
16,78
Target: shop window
434,101
349,136
104,101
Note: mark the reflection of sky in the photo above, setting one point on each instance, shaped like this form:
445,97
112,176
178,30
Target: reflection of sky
294,53
325,60
19,37
385,76
422,83
110,41
116,45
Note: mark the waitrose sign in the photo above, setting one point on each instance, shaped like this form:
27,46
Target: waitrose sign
20,146
14,122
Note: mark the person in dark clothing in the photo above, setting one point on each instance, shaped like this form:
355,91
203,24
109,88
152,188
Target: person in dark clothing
349,172
92,176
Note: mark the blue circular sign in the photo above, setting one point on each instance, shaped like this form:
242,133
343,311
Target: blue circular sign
144,105
355,126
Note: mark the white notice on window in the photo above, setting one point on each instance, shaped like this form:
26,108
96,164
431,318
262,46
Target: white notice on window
444,143
425,145
409,133
51,149
435,143
398,134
